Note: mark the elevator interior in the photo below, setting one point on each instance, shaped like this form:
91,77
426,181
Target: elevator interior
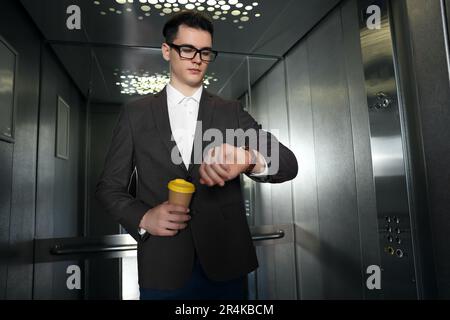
364,118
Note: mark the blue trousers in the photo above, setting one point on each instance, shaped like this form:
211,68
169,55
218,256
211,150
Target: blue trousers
199,287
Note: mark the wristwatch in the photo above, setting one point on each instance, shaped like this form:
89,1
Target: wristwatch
252,160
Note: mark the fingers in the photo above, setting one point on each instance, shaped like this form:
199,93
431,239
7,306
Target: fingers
173,226
179,218
168,220
221,171
167,233
213,174
215,170
207,175
204,178
176,208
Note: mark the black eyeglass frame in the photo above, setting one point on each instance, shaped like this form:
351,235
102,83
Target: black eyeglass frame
199,51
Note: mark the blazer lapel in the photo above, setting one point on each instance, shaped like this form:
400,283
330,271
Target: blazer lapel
161,116
205,115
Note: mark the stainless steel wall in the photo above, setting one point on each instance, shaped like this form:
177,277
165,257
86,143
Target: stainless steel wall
325,119
60,183
18,159
424,76
276,276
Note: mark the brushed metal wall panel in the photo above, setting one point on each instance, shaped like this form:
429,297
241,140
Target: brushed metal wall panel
6,151
279,125
333,140
266,277
263,191
432,95
365,188
276,276
285,274
17,29
60,189
309,279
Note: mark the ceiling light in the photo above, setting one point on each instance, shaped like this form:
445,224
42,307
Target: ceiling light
218,9
144,83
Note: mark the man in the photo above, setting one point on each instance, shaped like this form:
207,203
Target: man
206,252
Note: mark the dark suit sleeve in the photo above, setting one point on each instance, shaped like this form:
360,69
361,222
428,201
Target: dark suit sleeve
112,187
286,168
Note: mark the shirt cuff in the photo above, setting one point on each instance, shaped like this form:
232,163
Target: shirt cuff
265,172
142,232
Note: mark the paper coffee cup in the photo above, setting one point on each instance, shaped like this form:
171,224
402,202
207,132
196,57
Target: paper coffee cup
180,192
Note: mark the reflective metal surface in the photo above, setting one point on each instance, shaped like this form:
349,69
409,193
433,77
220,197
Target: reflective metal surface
421,51
334,208
388,157
272,205
445,16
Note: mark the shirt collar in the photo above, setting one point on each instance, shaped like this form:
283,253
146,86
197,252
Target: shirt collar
176,96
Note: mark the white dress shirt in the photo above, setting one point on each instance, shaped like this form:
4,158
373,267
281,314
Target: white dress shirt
183,113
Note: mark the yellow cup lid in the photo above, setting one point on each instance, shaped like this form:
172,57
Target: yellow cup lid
181,186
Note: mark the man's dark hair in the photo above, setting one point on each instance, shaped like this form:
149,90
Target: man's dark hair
191,19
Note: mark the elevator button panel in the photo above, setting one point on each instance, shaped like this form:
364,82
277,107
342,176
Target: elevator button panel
393,237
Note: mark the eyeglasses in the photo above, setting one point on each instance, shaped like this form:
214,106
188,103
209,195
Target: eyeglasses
187,51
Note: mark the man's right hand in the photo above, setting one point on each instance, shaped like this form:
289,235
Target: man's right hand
165,219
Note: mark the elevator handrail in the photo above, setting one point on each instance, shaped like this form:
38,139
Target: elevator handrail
95,248
62,250
268,236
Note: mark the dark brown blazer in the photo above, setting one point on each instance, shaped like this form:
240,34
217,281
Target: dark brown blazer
218,231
